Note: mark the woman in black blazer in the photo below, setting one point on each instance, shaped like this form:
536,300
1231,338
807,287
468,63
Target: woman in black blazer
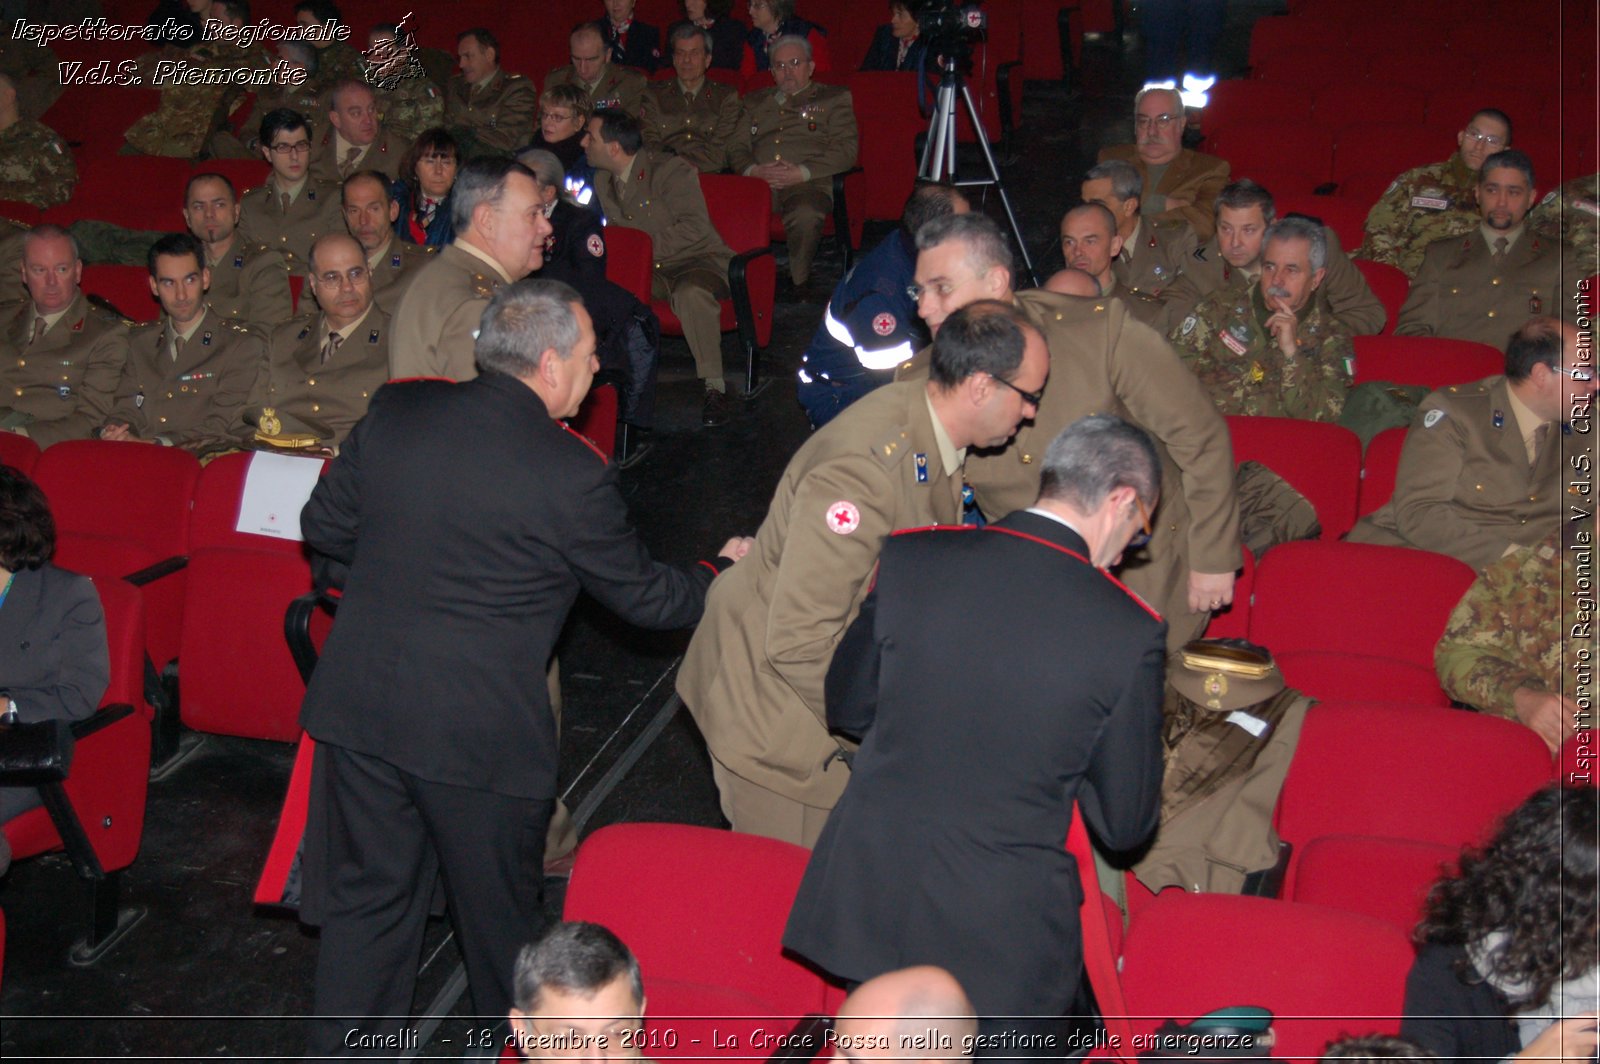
427,178
54,663
899,44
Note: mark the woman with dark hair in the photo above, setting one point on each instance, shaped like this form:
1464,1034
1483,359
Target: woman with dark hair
54,664
428,173
898,45
771,19
1508,946
727,32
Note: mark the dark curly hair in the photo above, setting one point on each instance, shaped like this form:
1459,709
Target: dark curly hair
27,531
1538,881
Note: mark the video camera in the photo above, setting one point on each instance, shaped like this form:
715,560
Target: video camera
952,27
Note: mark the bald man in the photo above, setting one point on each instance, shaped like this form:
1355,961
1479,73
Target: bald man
1072,282
914,1014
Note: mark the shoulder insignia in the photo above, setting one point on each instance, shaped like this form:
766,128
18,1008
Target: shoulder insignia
884,324
843,517
238,262
205,339
304,333
372,337
1188,325
1432,418
394,262
482,286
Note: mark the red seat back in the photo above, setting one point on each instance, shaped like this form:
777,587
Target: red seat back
245,174
127,288
1293,156
1311,66
630,260
1380,466
1362,598
1272,36
18,452
1429,361
1386,879
1352,103
596,420
1321,460
1347,218
888,122
1390,285
1381,151
1247,101
1336,675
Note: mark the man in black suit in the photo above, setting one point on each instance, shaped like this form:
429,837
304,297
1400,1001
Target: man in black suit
461,520
996,675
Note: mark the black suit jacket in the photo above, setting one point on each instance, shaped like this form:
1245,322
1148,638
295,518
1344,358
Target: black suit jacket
643,48
461,521
575,250
884,52
999,677
1461,1022
53,655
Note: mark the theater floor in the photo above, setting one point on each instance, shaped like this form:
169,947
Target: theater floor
206,973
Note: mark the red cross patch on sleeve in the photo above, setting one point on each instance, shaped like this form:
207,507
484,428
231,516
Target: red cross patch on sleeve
884,324
596,246
843,518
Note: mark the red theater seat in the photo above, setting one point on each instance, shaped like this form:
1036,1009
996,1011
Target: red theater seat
630,256
125,288
1346,217
1337,676
1379,468
1368,157
1249,101
1390,285
1354,103
1386,879
1429,361
1291,156
1322,461
18,452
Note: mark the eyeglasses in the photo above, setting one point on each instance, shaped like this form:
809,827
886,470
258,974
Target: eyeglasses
334,279
1581,375
1032,398
1141,538
299,147
1483,138
559,116
788,64
1159,121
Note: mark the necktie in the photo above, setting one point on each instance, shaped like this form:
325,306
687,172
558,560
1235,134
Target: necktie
349,163
1500,245
177,348
1536,443
330,345
38,331
426,213
283,201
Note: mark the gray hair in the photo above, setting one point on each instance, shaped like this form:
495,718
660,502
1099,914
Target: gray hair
982,337
547,169
1096,455
523,321
1177,99
1296,228
482,181
986,246
573,957
1244,193
1125,181
789,40
683,31
52,231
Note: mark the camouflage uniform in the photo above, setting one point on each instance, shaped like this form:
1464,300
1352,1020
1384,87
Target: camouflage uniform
33,68
1227,345
1420,206
411,106
1571,214
35,165
340,61
304,98
189,114
1507,631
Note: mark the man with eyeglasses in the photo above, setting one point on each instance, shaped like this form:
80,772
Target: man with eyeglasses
690,115
801,133
1475,286
1179,183
753,674
190,372
249,281
369,213
292,208
322,368
1480,474
487,109
1102,361
994,680
608,86
355,138
1436,201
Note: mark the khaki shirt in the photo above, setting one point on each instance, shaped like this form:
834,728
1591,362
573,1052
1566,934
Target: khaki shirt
1460,293
63,386
436,322
394,268
384,154
815,128
498,114
753,675
315,212
326,400
696,130
250,284
662,197
196,400
1192,175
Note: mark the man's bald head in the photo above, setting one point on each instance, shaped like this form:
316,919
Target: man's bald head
1070,282
891,1017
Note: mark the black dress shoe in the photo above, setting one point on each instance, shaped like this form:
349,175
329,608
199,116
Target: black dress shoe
715,410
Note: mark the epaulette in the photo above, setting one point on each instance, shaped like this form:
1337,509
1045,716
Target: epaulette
891,448
483,286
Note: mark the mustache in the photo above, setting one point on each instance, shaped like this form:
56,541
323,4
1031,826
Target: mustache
1278,292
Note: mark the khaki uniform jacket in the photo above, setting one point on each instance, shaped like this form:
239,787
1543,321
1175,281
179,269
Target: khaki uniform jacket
395,269
1142,306
197,399
1192,175
1460,293
1465,487
1153,260
753,675
383,155
1571,214
696,131
315,212
1420,206
325,400
1101,362
1227,345
251,284
619,88
663,198
814,128
67,382
1347,292
500,114
436,322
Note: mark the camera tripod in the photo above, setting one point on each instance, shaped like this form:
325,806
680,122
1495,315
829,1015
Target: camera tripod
939,152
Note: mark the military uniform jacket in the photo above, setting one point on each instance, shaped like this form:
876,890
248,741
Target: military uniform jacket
67,382
1227,345
395,269
1420,206
198,398
383,155
436,322
815,128
188,114
1465,487
1571,214
1460,293
500,113
1152,261
1507,630
1142,307
1103,363
35,165
315,212
410,106
697,130
326,400
1349,296
1192,175
662,196
250,283
753,675
619,88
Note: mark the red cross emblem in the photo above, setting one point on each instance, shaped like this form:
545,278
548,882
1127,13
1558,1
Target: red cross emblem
843,518
595,245
883,324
